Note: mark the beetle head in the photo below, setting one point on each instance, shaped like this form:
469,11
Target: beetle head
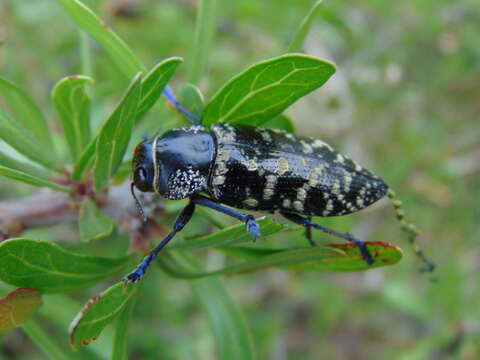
143,172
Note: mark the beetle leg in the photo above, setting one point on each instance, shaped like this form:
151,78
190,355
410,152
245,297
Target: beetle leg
181,221
252,226
308,233
168,93
308,223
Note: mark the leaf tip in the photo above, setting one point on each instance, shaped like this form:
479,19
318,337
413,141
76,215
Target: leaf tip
76,321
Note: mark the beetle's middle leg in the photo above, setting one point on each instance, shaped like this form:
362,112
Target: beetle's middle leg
309,224
252,226
308,232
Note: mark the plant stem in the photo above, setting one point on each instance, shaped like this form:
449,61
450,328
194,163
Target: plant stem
299,38
204,31
85,54
43,341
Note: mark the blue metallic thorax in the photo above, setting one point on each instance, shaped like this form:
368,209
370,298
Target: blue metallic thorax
182,160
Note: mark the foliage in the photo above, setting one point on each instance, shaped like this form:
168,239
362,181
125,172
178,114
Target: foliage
393,105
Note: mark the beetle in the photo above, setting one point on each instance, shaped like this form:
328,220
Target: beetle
250,168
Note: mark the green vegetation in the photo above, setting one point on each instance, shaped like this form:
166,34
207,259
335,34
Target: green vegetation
79,88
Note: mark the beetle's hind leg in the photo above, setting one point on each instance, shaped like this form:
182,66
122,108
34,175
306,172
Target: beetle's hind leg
309,224
181,221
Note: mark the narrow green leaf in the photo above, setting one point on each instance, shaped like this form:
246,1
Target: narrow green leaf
232,335
16,135
26,112
336,257
339,257
115,134
192,99
98,312
204,31
92,223
232,235
120,342
282,122
17,307
299,38
73,106
154,82
47,267
266,89
119,52
30,179
44,341
14,164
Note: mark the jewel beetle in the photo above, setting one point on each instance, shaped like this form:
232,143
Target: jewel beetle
227,167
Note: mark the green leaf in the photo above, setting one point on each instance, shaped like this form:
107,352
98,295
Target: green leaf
92,223
26,112
383,254
99,311
232,335
120,341
336,257
47,267
192,99
231,235
204,31
16,135
115,134
154,82
282,122
14,164
17,307
266,89
60,309
119,52
299,38
30,179
73,106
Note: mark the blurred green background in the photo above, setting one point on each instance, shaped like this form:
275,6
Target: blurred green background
405,102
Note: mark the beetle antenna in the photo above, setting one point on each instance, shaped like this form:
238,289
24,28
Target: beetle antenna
137,203
146,138
411,231
168,93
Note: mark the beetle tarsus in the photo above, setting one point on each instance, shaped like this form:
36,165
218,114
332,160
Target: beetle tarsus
308,223
133,277
253,227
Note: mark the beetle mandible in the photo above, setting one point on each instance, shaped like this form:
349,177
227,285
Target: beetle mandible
251,168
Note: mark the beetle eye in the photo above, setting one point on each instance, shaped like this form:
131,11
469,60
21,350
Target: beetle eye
141,174
142,180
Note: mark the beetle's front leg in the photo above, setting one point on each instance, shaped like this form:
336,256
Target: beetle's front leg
181,221
308,223
252,226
